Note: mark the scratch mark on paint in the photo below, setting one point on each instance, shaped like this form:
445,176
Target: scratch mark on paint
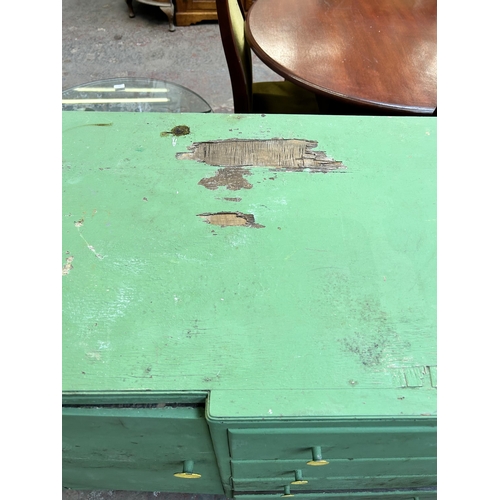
91,248
415,376
89,125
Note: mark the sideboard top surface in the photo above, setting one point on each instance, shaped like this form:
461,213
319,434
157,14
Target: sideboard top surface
188,265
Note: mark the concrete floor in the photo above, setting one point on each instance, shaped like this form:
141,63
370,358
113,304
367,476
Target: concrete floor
99,40
133,495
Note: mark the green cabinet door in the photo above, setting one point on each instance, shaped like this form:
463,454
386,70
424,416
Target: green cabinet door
149,449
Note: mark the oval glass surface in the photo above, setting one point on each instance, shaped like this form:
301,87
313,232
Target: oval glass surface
133,94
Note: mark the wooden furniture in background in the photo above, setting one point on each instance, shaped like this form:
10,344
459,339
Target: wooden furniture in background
187,11
259,97
167,6
245,5
378,55
194,11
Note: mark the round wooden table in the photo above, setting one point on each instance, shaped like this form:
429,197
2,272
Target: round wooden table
379,54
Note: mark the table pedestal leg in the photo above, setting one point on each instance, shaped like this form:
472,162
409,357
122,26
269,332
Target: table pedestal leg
169,11
131,12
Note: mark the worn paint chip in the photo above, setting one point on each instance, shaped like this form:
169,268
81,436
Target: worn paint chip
232,155
68,266
230,177
225,219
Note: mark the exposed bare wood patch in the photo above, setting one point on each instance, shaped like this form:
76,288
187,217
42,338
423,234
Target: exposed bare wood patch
278,154
231,177
224,219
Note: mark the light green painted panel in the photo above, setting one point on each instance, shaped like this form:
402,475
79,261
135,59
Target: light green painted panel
337,293
317,404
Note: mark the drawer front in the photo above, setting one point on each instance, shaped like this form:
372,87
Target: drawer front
382,495
196,5
334,443
138,449
336,475
285,469
336,483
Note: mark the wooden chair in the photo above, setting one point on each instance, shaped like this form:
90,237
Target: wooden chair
259,97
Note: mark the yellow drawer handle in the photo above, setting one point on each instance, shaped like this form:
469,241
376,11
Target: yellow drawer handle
317,457
187,471
298,478
287,492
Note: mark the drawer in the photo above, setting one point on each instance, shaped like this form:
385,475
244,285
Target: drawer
336,483
338,474
332,443
138,449
352,495
285,469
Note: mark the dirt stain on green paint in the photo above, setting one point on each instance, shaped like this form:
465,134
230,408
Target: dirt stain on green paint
89,125
177,131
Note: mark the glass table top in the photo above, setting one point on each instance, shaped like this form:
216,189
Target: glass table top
133,94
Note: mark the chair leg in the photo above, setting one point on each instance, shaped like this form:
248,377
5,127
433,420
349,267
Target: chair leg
169,11
131,12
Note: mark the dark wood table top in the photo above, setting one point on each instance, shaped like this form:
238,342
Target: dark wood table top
377,53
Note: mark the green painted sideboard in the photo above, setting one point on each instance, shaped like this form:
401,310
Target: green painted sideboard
249,305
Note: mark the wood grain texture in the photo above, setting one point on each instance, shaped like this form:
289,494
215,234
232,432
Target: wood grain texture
194,11
321,312
380,54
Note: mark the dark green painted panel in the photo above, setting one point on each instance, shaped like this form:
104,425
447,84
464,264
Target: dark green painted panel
284,469
341,442
360,495
266,440
337,483
137,449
